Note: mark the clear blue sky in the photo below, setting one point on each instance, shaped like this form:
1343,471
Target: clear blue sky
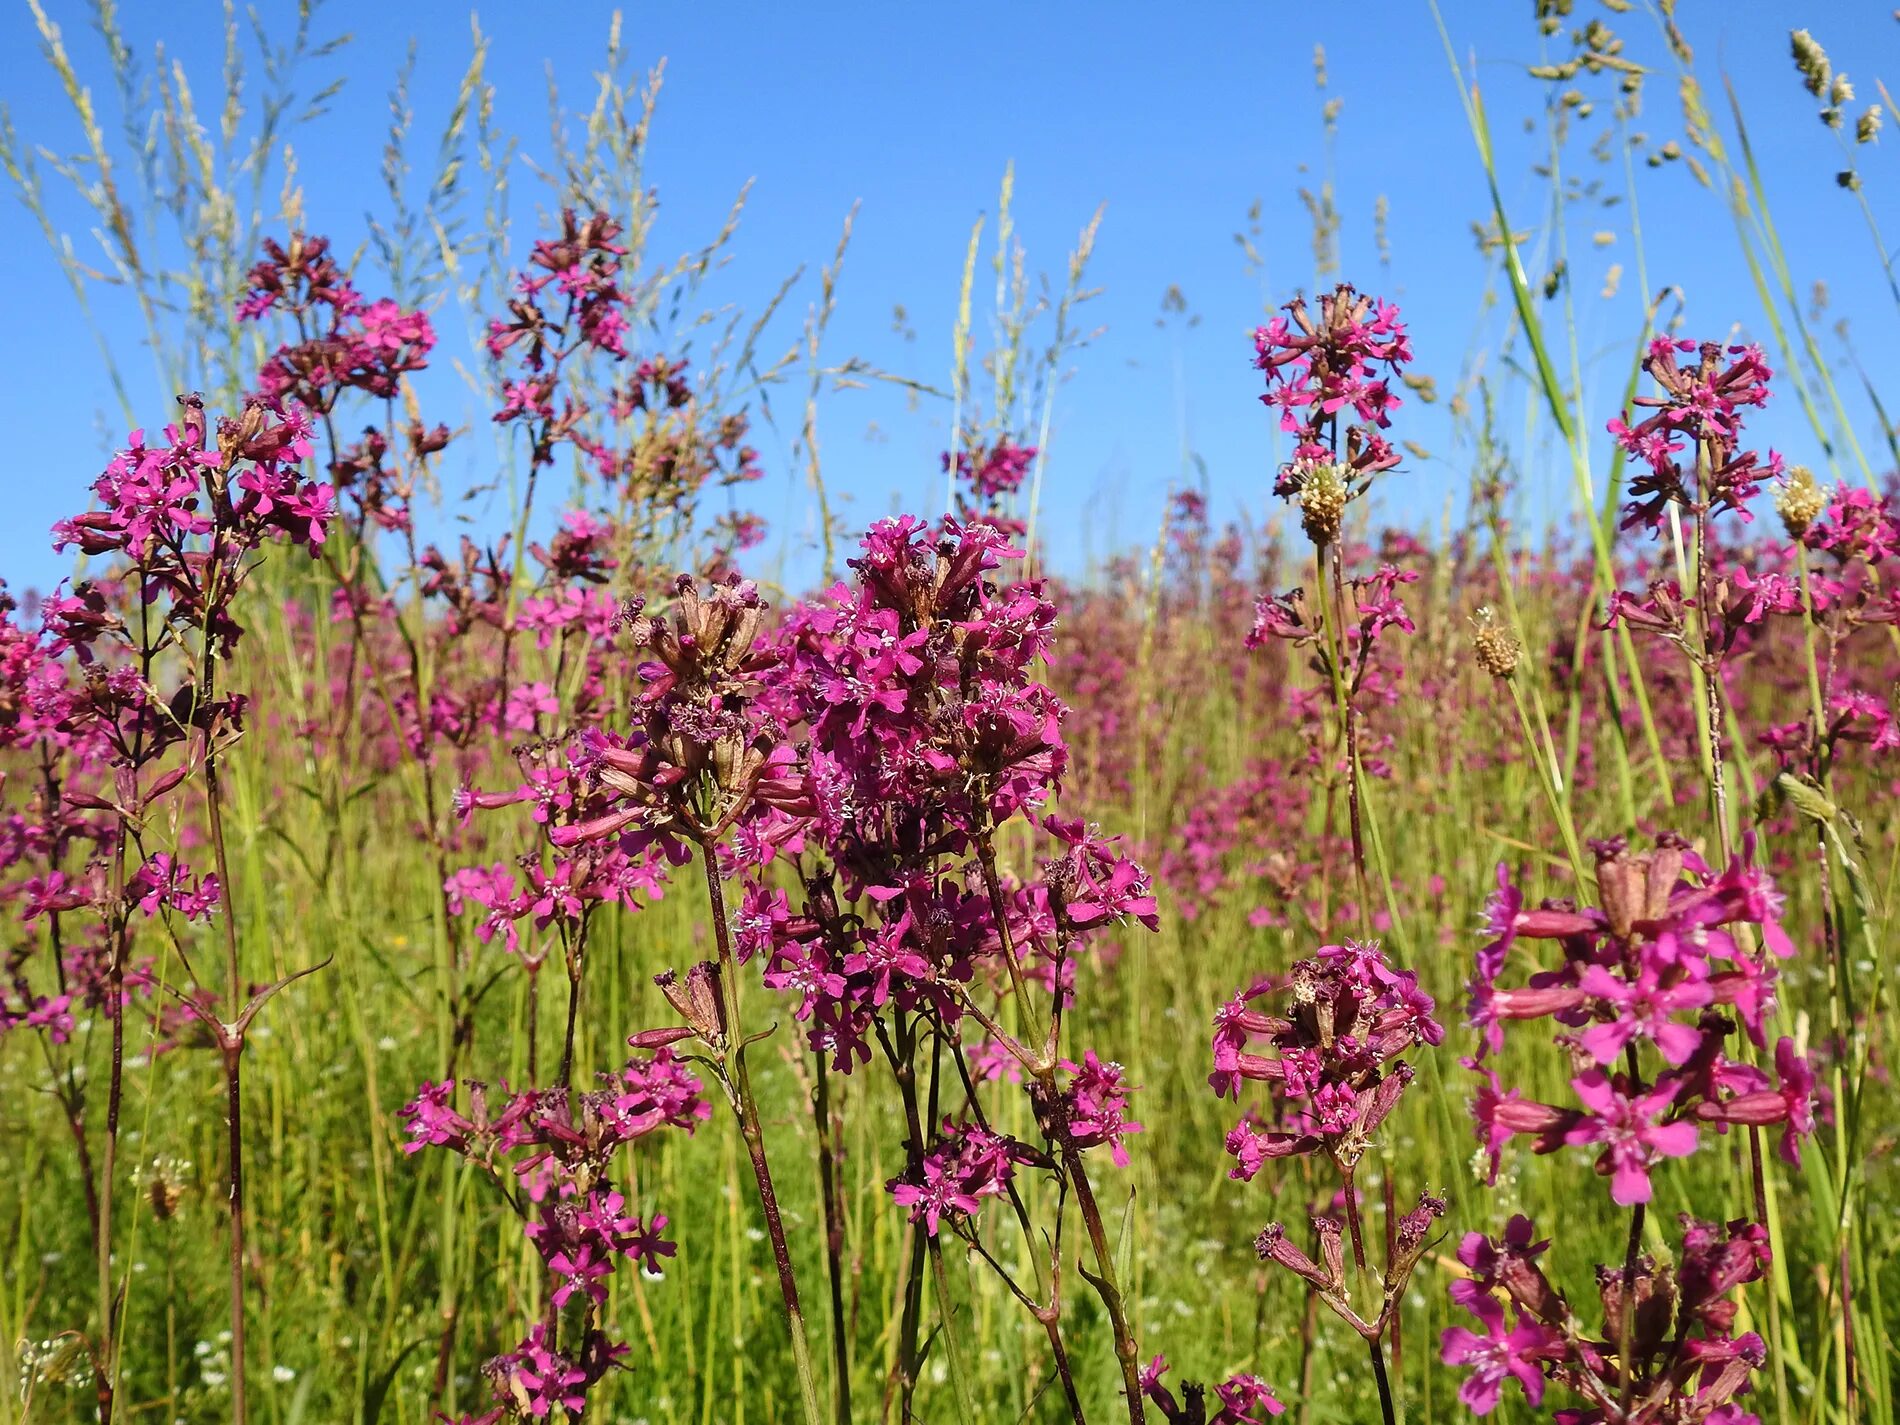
1178,118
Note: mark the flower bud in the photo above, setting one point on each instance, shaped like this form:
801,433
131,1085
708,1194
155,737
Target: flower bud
1272,1245
1651,1295
1384,1097
1332,1246
1409,1241
1616,888
1661,868
696,1000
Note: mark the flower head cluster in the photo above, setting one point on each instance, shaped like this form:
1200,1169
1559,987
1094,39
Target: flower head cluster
705,749
1855,525
995,470
928,731
1369,669
343,343
1336,1074
1664,1347
571,1136
1654,973
1335,1071
1690,447
915,680
1329,375
552,1151
534,1380
121,674
1241,1399
989,475
165,882
187,515
556,894
582,267
966,1164
1089,1110
654,437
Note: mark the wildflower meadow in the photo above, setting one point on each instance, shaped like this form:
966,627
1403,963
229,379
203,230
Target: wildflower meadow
529,895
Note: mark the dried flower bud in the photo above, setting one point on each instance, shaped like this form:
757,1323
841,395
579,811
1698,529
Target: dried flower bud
1799,500
1840,91
1867,127
1527,1286
696,1000
1322,504
1811,60
1662,867
1618,889
1272,1245
1332,1245
1495,646
1651,1292
1384,1097
1850,180
1409,1241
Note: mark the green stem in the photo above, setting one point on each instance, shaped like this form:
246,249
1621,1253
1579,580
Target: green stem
747,1107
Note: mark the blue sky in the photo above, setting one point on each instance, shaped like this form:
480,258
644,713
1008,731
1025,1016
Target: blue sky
1177,118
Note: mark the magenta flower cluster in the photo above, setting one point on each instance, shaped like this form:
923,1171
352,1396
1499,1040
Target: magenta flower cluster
1334,1076
1651,983
1665,1349
552,1153
1697,416
1241,1399
1329,374
1674,958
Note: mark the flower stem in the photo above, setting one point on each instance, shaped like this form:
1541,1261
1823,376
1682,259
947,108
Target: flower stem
1333,609
234,1123
1377,1354
1106,1285
232,1043
747,1107
834,1242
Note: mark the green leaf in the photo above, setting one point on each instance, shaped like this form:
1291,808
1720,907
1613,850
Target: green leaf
377,1391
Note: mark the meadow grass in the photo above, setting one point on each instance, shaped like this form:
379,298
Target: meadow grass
380,1280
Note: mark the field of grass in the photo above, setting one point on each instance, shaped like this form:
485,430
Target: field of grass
412,888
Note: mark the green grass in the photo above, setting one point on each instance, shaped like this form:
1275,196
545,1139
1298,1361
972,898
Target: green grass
380,1280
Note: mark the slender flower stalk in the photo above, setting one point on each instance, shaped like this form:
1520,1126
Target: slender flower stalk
739,1086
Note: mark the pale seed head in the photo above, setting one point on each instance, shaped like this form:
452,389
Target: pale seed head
1496,648
1811,60
1799,501
1323,499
